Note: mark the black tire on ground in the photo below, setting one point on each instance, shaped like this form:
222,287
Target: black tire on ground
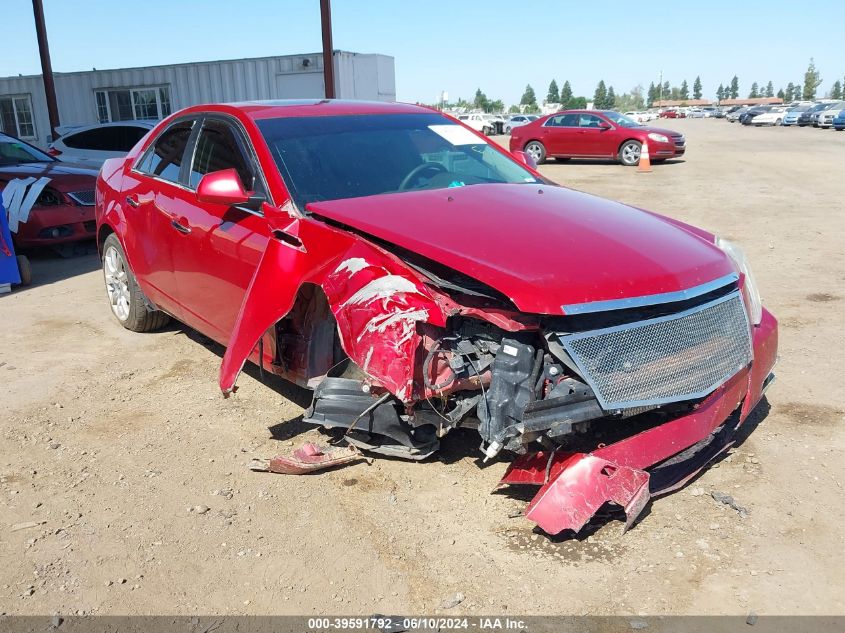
25,270
537,150
140,318
485,131
626,158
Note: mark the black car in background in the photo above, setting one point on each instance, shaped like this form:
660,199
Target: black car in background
747,117
809,117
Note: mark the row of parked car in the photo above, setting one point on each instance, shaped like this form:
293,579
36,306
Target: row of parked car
830,114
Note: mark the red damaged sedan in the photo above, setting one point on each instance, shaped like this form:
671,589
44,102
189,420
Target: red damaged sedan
53,202
595,134
421,279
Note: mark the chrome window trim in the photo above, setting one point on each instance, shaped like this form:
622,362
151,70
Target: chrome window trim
649,300
566,338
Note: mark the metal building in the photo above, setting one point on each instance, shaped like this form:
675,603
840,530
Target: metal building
156,91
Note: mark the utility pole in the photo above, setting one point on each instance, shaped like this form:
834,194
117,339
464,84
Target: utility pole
46,66
328,62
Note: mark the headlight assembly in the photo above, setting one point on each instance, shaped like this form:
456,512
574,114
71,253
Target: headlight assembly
755,305
659,138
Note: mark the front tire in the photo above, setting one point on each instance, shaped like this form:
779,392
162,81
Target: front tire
537,151
629,153
125,297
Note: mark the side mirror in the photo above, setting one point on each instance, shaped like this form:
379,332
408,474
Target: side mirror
604,125
224,187
525,159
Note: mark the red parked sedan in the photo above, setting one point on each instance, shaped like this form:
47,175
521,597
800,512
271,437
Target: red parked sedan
420,279
595,134
64,210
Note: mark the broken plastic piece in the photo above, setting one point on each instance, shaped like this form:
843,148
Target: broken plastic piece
308,458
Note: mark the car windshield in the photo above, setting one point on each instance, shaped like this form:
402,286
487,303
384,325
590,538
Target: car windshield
621,119
352,156
15,152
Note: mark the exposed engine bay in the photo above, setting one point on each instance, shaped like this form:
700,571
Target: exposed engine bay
549,384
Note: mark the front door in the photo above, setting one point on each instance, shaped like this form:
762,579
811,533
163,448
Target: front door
220,245
593,138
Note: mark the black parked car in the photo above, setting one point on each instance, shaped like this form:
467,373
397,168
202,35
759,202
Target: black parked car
747,117
809,117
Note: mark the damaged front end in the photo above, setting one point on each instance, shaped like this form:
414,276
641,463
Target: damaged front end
605,403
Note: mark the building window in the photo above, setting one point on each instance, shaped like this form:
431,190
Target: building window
131,104
16,116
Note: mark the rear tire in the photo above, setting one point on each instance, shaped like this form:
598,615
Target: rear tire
537,151
125,297
629,153
25,270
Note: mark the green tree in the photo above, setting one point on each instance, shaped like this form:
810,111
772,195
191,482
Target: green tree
529,99
754,91
610,102
735,88
836,91
667,90
781,95
514,109
770,90
554,94
578,103
652,94
684,92
600,96
789,94
566,95
720,93
481,102
812,81
696,88
496,106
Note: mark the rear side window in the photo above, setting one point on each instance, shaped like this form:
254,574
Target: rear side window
164,158
113,138
218,148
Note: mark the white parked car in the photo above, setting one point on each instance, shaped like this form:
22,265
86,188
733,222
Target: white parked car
827,116
94,144
518,119
772,117
478,122
639,117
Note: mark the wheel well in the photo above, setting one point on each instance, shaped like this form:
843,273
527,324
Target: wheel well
102,234
619,149
307,340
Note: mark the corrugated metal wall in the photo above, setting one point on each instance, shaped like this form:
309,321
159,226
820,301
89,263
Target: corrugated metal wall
357,76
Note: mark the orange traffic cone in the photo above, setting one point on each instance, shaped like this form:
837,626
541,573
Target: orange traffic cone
644,166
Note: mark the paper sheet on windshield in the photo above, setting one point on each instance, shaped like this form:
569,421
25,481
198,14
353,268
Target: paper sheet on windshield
455,134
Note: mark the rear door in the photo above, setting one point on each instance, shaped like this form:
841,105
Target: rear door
560,135
220,246
154,197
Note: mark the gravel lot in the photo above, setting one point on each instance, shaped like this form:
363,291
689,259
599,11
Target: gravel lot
124,486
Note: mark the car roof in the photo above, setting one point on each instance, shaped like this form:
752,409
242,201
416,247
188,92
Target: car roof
65,130
273,109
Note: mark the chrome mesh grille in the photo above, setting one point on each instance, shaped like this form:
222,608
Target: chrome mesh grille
85,198
666,359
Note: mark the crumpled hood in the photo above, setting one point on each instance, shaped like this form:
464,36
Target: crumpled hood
64,176
543,246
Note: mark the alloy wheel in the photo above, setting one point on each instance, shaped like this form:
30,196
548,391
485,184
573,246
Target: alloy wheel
117,282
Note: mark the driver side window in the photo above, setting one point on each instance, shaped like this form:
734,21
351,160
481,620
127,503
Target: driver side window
218,148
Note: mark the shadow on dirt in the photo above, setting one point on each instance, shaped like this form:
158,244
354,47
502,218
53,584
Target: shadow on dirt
50,266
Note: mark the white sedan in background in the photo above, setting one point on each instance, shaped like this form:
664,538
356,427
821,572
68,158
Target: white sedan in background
94,144
772,117
518,119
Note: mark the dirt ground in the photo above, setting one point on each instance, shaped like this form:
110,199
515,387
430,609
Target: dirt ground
121,451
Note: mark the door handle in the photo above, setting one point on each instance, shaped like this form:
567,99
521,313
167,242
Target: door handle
132,201
180,227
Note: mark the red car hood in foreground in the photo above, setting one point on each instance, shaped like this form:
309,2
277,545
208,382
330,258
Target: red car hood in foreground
64,176
542,246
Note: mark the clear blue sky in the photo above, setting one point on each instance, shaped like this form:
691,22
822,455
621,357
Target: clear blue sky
455,45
